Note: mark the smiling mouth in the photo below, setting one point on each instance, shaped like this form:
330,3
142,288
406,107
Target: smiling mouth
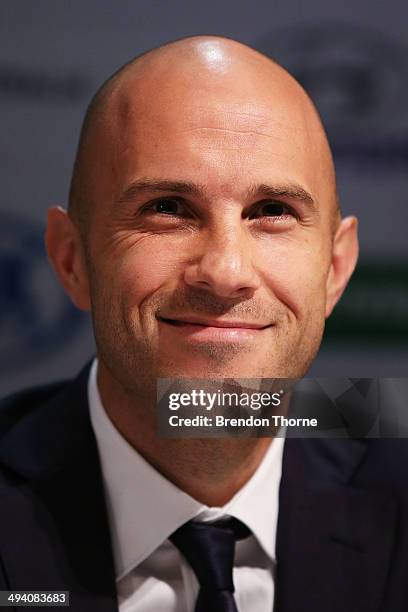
204,332
232,325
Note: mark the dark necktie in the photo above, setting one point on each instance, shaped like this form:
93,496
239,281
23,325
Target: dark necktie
209,549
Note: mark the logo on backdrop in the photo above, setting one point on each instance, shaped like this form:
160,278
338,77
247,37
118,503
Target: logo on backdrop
31,83
358,78
36,318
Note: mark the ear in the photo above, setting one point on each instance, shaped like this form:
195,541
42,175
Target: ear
66,255
344,259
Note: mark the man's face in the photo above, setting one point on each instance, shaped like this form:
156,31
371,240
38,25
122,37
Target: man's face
218,213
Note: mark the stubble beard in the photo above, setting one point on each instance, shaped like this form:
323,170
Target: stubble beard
136,365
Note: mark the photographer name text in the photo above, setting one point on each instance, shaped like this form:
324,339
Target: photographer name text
250,421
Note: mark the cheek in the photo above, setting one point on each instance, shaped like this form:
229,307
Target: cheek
143,269
296,274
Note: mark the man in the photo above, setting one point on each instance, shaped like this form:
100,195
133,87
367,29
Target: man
204,235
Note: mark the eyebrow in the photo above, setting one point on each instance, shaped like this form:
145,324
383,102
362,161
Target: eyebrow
290,191
159,186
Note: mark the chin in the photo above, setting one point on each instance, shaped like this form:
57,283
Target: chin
215,368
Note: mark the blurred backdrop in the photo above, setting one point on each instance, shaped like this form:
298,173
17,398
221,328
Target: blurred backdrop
353,59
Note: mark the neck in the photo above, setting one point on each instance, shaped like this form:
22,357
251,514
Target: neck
209,470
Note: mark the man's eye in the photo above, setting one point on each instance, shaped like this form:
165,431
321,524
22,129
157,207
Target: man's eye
274,209
166,206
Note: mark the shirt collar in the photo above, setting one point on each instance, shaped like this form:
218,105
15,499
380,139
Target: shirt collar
145,508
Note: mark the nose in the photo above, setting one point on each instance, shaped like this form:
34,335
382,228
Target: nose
224,265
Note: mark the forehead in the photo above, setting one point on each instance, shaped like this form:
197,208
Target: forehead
220,134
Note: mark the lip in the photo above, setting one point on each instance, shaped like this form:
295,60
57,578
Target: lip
212,323
200,330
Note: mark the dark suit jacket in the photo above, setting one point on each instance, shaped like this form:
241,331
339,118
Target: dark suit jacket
342,539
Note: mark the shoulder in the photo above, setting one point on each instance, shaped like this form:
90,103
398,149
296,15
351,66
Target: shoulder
15,407
40,425
24,406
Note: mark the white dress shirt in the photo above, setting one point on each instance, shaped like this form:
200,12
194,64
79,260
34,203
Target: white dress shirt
144,509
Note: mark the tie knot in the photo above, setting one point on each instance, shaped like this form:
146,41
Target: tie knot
209,549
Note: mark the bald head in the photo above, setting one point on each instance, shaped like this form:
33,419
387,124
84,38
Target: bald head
180,82
203,189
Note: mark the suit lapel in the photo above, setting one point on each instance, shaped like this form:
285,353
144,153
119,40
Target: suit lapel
55,532
334,540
